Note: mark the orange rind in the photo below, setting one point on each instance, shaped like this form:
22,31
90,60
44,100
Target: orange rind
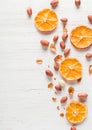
46,20
71,69
81,37
76,112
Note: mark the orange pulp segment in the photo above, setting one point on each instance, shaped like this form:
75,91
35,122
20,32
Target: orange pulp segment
71,69
46,20
76,112
81,37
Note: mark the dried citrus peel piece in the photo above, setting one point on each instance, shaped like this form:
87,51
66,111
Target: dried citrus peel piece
81,37
46,20
76,112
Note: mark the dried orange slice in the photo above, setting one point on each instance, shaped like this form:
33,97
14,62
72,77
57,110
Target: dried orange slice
81,37
46,20
76,112
71,69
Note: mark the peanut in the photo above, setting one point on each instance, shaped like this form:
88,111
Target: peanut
66,52
58,88
49,73
90,18
88,55
56,67
54,3
64,20
63,99
72,128
82,96
62,45
61,83
29,11
44,43
53,48
55,38
77,3
64,36
58,58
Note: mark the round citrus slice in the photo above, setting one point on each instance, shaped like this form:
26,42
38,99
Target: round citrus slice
71,69
76,112
46,20
81,37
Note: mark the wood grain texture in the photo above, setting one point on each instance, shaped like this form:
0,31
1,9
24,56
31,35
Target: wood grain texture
25,101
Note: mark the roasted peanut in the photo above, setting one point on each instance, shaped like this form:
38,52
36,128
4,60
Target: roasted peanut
72,128
58,88
64,20
66,52
55,38
63,99
44,43
56,66
49,73
88,55
64,36
29,11
62,45
82,96
77,3
90,18
54,3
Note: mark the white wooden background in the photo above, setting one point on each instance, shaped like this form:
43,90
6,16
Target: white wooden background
25,101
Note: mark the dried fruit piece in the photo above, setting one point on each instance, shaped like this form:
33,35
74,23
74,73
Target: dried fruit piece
71,69
49,73
81,37
62,45
53,48
58,58
63,99
90,18
29,11
90,69
46,20
58,88
77,3
54,99
76,112
55,38
66,52
72,128
54,3
71,91
50,85
39,61
82,96
44,43
88,55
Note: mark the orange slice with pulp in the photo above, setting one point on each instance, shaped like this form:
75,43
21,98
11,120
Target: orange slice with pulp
71,69
81,37
76,112
46,20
